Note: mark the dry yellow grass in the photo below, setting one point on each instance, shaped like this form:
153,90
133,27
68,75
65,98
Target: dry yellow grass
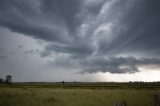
74,97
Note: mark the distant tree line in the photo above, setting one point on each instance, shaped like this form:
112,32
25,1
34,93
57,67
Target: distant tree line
8,79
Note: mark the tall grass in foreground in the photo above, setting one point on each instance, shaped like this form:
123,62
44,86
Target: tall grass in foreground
74,97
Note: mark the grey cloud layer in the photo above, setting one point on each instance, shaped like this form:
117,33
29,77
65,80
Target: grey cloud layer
42,19
116,64
93,34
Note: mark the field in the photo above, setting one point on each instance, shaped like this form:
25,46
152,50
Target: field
78,94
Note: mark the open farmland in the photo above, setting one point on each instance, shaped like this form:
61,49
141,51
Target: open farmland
78,94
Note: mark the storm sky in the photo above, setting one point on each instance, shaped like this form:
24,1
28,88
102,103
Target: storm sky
80,40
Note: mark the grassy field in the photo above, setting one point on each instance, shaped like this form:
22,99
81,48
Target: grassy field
74,95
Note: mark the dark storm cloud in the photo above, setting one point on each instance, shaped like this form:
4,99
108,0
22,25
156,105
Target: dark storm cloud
42,19
80,50
3,57
90,34
65,10
20,46
116,64
138,30
94,7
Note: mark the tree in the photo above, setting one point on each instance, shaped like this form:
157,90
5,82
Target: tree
1,80
63,82
8,79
